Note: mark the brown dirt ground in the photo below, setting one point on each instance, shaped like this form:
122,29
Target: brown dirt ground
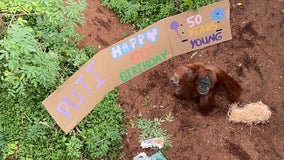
254,57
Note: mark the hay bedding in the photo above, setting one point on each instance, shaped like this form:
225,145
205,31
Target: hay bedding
252,113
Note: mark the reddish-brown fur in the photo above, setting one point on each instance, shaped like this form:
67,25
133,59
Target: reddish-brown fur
186,80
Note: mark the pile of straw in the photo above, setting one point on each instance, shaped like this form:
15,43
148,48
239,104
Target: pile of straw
252,113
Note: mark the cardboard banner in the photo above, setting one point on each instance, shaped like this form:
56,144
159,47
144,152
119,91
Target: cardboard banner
117,64
191,31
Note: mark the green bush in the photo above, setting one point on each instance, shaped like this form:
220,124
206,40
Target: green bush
194,4
144,13
140,12
105,137
37,54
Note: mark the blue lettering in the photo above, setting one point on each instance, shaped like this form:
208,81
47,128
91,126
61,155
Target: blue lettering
125,48
141,38
152,35
116,51
132,44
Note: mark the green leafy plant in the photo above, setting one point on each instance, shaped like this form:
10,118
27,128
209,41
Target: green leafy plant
144,13
194,4
74,147
103,129
141,13
169,117
38,52
152,129
146,101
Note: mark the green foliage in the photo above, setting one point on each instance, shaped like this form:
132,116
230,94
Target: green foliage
34,135
74,147
144,13
152,129
38,45
37,53
104,139
141,13
169,117
146,101
25,65
194,4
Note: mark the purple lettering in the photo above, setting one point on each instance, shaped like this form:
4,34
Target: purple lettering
192,42
205,40
81,99
79,80
218,36
90,67
63,111
200,42
209,38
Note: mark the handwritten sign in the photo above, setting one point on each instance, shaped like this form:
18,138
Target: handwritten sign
117,64
190,31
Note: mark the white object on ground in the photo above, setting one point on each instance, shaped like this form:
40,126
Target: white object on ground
141,156
155,142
